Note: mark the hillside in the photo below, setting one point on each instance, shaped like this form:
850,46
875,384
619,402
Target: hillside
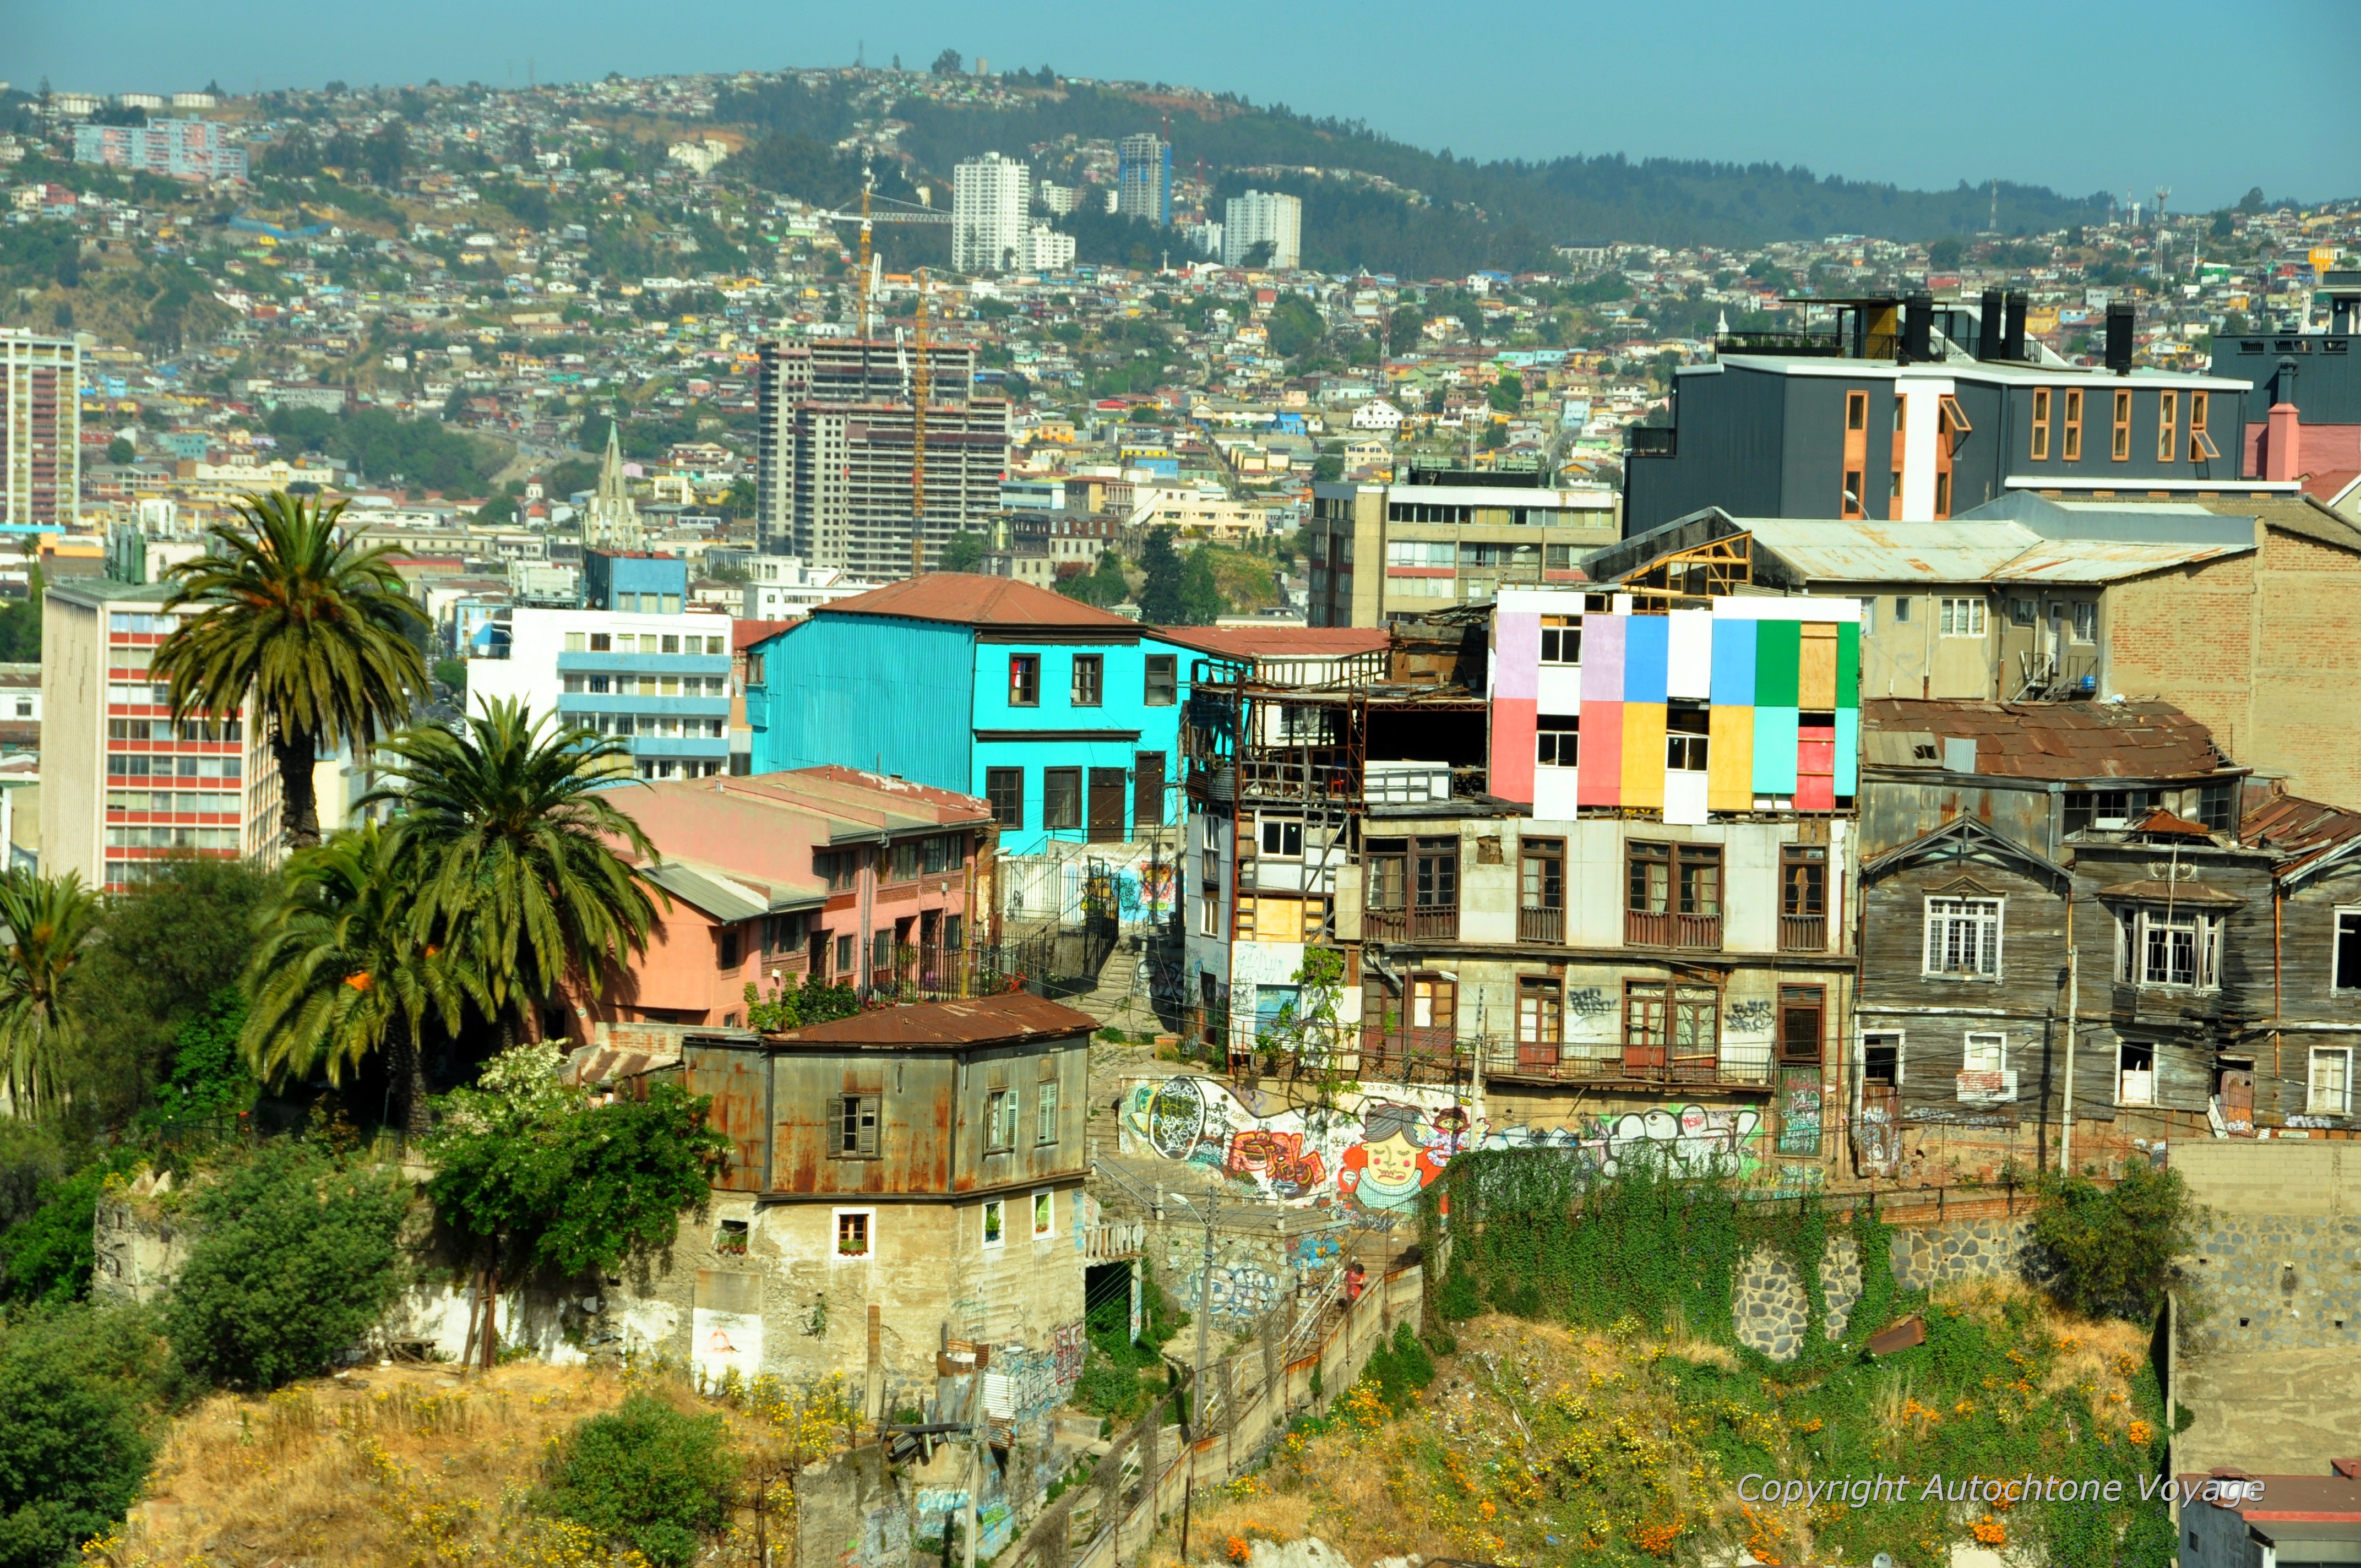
1410,212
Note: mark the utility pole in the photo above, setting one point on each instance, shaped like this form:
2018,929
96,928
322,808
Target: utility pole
1205,1322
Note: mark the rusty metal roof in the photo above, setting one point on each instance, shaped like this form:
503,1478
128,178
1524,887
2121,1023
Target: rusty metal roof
968,598
2067,742
2308,831
986,1020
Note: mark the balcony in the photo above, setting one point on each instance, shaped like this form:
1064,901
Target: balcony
1426,923
1803,933
1651,441
1825,344
1544,926
1589,1062
1687,933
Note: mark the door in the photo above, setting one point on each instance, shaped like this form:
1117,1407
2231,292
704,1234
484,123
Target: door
1877,1137
1148,789
2238,1102
1106,805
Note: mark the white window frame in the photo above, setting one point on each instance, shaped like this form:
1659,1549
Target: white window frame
1992,1040
1900,1052
1961,617
2342,913
993,1207
2136,932
1571,727
2086,621
2312,1103
836,1219
1945,910
2122,1072
1565,625
1264,824
1041,1232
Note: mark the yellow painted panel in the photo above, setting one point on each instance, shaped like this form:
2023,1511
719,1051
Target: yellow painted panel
1643,754
1730,769
1816,678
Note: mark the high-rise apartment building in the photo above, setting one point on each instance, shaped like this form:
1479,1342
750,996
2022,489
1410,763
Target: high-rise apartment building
180,149
657,679
125,786
1259,218
1047,249
1143,178
837,433
988,212
40,428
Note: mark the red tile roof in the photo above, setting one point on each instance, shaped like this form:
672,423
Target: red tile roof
744,634
967,598
1279,641
1017,1015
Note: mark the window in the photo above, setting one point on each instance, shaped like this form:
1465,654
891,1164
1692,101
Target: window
902,860
1673,878
1282,838
840,869
575,642
2086,621
2104,808
1694,1014
1089,681
1542,880
1856,411
1433,1002
2200,446
995,1222
2119,448
1561,640
1437,865
2040,424
1802,1009
2346,975
2134,1073
1963,937
1868,615
1541,1010
2167,423
1061,797
2070,443
730,956
855,1232
1684,739
672,644
856,1126
1385,875
999,1121
1045,1215
1852,486
844,954
1045,1107
1962,617
2217,805
938,853
1802,880
730,1237
601,642
2332,1081
1025,680
2023,611
1163,686
1557,740
1004,788
2170,947
1881,1058
1984,1053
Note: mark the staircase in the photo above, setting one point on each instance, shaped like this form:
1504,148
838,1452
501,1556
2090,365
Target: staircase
1120,997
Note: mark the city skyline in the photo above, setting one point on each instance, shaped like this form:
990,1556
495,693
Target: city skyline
1744,92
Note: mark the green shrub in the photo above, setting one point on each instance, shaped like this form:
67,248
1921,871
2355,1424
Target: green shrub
46,1255
80,1389
295,1260
1459,1298
1399,1369
644,1476
2112,1247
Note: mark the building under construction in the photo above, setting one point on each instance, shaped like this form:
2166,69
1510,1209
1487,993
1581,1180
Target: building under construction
871,445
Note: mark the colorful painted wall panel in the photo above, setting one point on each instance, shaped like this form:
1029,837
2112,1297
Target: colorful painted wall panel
1774,750
1601,783
1643,754
1730,760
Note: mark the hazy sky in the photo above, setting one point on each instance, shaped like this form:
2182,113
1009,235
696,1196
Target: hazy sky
2207,97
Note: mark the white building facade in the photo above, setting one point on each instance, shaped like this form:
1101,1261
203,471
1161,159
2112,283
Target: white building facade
1261,217
658,683
988,214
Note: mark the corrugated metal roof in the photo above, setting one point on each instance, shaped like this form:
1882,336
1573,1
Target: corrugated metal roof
968,598
1279,641
2066,741
1994,550
724,897
986,1020
2306,830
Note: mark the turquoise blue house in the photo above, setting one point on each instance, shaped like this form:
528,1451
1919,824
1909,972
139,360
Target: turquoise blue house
1066,719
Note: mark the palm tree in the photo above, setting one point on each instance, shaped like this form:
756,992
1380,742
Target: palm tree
49,921
513,819
341,973
302,625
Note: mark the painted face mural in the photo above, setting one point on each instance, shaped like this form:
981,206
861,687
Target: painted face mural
1388,1166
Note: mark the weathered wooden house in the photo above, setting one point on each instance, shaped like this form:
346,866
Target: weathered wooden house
2315,1021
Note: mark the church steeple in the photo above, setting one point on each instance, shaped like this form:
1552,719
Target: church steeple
612,520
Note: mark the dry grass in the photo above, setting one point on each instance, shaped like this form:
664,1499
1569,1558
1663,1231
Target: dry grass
388,1466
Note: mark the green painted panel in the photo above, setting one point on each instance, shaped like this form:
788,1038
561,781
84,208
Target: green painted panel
1847,665
1778,664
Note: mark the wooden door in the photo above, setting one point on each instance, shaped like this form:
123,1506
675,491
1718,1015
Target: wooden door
2238,1102
1106,805
1148,789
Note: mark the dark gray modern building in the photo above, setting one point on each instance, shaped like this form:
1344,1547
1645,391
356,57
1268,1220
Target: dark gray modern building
2302,420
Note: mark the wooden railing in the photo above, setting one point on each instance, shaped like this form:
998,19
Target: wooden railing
1642,928
1803,933
1542,926
1425,923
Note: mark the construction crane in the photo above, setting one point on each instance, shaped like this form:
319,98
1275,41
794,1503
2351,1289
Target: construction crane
868,215
918,385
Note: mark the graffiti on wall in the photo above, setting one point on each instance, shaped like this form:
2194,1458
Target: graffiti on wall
884,1540
1373,1154
1023,1382
1239,1289
1750,1017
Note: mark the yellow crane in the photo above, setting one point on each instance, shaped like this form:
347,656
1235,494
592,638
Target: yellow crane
868,215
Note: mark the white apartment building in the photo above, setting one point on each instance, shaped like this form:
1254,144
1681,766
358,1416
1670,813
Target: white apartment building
1047,249
125,787
1263,217
659,683
781,587
988,214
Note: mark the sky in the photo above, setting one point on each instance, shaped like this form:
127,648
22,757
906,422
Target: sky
2075,95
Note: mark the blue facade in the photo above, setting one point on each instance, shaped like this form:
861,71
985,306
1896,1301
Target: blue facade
935,702
650,585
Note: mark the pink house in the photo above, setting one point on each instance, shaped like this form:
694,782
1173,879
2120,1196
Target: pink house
857,878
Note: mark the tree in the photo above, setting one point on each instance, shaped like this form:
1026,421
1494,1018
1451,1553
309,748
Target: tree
302,627
533,1176
947,63
79,1389
1104,585
120,450
2112,1246
343,972
1943,255
1404,328
1507,395
49,920
963,550
295,1260
515,818
1202,600
644,1476
1295,326
1160,596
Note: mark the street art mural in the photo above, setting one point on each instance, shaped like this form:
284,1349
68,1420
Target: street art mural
1372,1155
